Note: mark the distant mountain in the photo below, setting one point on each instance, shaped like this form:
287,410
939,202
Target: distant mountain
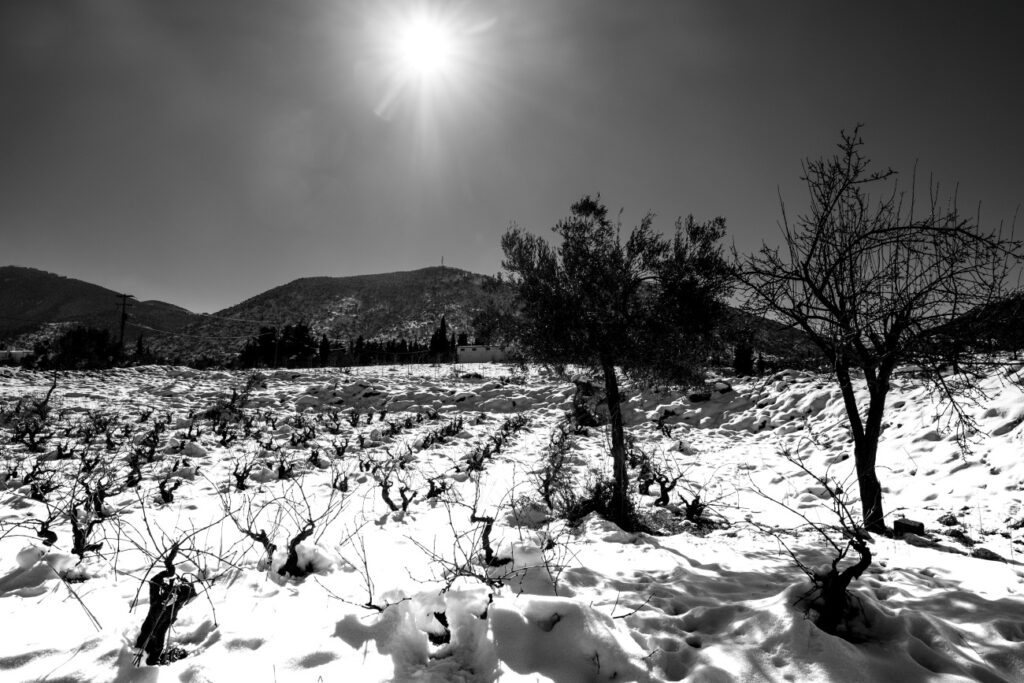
996,326
772,339
35,304
405,305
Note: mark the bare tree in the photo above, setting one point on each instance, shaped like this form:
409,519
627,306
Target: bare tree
829,596
876,282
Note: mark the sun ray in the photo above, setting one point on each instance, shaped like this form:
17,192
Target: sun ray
423,56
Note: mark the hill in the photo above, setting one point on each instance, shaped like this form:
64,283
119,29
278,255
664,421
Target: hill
779,343
35,304
406,304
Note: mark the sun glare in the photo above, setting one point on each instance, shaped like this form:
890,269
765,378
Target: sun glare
425,48
424,56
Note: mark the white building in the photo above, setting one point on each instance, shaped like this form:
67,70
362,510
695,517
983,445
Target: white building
480,353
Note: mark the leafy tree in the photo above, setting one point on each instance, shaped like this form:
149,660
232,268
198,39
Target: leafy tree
442,342
324,351
876,282
298,347
80,348
495,323
260,350
439,339
143,354
743,358
647,305
293,347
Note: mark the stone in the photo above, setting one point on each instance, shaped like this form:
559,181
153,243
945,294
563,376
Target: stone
903,526
986,554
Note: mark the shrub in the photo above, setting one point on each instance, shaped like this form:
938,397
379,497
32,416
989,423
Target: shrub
599,497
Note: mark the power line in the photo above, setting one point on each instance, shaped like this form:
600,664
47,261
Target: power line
234,320
87,315
134,324
192,336
34,320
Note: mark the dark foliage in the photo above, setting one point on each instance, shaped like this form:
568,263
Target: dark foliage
648,305
293,347
80,348
599,497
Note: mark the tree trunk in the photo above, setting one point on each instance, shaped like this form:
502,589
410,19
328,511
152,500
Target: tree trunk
865,447
620,507
865,452
834,586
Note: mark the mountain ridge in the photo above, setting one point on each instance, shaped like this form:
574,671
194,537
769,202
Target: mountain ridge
31,298
399,304
36,305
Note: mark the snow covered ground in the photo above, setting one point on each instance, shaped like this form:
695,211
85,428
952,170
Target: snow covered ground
473,580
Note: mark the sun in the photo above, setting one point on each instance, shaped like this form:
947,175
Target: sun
425,48
425,58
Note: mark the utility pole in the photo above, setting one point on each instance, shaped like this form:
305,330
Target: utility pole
124,317
435,293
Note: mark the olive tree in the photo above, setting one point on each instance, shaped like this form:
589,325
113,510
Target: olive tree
877,281
646,306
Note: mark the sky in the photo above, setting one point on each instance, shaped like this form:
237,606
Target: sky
200,152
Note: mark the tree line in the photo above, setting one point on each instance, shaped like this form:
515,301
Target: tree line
292,346
296,346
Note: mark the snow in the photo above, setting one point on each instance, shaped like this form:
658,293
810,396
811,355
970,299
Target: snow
409,595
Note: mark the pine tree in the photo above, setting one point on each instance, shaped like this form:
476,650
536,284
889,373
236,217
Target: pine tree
324,352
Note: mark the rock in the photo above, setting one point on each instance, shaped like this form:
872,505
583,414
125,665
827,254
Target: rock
948,519
497,404
194,450
907,526
306,401
986,554
962,537
919,541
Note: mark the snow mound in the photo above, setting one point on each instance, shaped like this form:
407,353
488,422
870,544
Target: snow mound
563,640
